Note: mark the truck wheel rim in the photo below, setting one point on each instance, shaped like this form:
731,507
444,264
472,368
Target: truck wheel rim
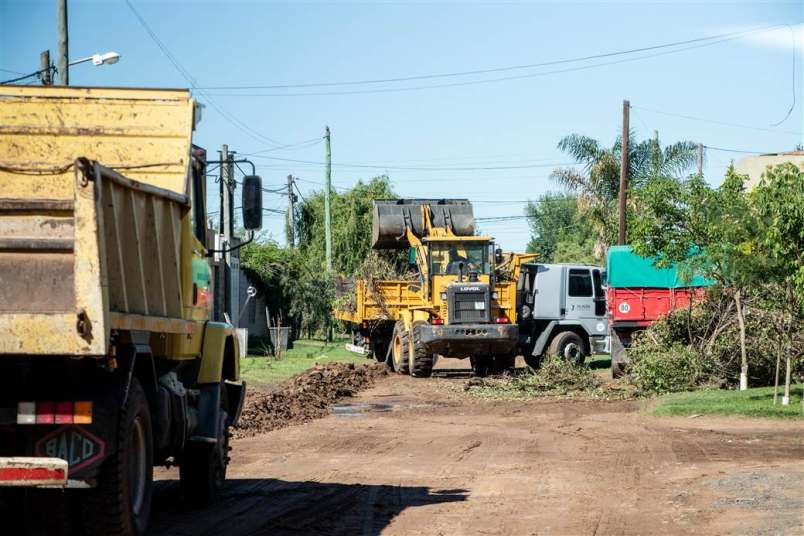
137,470
571,351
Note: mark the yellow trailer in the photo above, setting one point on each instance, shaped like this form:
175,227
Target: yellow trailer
109,360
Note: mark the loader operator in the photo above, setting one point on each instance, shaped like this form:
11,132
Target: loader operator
458,264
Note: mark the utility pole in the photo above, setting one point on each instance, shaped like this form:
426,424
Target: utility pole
62,57
226,226
327,215
699,158
624,172
291,216
44,68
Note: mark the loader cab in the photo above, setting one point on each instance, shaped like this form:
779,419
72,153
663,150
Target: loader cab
459,257
461,272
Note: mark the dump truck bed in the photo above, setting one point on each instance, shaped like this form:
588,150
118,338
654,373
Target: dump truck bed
92,198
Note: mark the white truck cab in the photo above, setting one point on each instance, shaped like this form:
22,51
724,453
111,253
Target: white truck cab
562,311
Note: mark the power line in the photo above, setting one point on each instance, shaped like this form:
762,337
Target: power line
794,51
725,150
715,122
474,82
721,37
9,71
190,80
23,77
416,168
299,145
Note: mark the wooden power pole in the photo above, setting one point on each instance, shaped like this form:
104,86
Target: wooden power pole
44,68
699,158
63,56
291,216
227,225
623,172
327,189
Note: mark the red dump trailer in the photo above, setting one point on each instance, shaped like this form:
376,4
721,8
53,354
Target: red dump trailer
639,294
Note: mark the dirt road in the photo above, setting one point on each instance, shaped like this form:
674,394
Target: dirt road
416,457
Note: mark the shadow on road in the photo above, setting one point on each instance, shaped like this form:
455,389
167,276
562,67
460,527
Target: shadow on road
276,507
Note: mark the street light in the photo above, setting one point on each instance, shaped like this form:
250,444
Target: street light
99,59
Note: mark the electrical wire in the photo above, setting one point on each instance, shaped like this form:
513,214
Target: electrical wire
37,73
714,122
731,35
726,150
299,145
473,82
793,104
414,168
191,81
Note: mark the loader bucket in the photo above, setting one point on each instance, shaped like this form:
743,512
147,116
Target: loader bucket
391,216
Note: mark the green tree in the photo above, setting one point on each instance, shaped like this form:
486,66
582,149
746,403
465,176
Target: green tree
597,182
559,233
711,231
779,205
351,224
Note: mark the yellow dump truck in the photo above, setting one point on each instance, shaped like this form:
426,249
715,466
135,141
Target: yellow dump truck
109,361
460,301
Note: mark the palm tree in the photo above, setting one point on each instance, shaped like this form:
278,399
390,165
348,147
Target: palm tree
597,182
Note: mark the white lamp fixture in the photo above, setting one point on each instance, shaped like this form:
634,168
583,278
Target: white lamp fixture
108,58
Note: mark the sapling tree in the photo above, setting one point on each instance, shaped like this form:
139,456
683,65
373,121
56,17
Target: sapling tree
779,204
704,230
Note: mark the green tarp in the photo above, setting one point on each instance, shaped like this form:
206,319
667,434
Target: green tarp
626,269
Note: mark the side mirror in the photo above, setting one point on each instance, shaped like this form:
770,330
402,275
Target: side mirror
498,258
252,202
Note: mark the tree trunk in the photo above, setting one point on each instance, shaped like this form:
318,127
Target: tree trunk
743,357
786,397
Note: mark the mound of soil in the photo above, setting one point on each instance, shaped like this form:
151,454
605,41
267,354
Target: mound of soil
304,397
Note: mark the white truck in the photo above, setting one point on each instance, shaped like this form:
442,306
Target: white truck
561,311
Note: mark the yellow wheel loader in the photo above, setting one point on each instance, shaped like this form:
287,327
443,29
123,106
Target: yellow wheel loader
461,302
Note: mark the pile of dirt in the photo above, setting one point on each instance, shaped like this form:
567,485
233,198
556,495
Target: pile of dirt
304,397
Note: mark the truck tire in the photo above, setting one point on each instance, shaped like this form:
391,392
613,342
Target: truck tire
121,502
400,348
421,361
481,365
569,346
202,470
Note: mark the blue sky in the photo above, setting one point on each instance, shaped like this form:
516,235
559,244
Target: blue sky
512,126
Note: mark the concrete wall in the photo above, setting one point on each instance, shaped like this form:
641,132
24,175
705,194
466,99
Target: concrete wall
754,166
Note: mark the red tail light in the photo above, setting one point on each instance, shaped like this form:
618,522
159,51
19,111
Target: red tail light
502,320
63,413
438,321
45,412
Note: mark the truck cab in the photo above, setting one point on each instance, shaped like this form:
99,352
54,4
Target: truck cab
561,311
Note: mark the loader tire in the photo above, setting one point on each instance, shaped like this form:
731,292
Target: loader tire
569,346
421,361
400,349
121,502
202,471
502,363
